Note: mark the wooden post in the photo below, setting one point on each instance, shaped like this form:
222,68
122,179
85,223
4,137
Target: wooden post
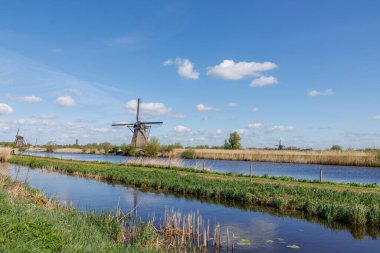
320,175
250,170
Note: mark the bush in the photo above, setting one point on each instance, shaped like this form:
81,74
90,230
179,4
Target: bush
188,154
128,150
152,147
336,148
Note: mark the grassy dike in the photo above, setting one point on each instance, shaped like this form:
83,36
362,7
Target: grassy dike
30,222
350,204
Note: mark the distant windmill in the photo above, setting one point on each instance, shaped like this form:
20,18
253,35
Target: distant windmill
139,129
280,146
19,140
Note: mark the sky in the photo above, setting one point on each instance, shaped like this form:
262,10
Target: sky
305,72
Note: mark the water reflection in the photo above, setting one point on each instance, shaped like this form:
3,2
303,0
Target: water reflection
258,229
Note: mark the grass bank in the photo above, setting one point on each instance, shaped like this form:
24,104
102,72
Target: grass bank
347,158
350,204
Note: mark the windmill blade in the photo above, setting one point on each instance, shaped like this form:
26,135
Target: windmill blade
152,123
122,124
138,109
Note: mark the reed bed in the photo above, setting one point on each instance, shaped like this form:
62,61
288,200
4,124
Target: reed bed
347,158
349,204
5,153
169,163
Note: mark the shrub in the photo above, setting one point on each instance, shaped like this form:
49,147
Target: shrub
188,154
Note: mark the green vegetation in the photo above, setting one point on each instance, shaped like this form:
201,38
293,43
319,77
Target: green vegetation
233,142
350,204
336,148
152,147
31,223
188,154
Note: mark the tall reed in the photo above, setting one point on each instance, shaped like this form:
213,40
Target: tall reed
5,153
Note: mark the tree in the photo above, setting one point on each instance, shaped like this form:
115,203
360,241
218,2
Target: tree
152,147
233,142
106,146
336,148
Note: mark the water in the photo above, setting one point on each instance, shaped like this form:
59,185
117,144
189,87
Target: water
260,227
300,171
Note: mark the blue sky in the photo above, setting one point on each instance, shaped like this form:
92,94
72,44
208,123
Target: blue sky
302,71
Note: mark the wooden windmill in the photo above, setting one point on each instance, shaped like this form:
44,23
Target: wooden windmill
280,146
139,129
19,140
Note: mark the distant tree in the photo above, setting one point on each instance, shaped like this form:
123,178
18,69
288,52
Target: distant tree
106,146
152,147
50,146
336,148
233,142
128,150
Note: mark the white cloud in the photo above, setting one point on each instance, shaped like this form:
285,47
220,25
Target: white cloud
99,129
219,131
5,109
230,70
167,62
232,105
280,129
55,50
65,101
377,117
202,108
185,68
242,131
314,93
255,109
25,99
255,125
182,129
263,81
147,109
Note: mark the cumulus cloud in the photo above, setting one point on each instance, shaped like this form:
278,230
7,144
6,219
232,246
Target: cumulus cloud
219,131
280,129
65,101
263,81
231,70
255,125
185,68
147,109
5,109
255,109
377,117
182,129
202,108
242,131
232,105
99,129
314,93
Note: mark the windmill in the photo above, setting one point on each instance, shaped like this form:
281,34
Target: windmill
280,146
140,129
19,140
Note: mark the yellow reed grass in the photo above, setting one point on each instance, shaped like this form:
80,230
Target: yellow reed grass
354,158
5,153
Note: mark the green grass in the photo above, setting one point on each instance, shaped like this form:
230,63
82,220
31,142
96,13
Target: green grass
29,222
350,204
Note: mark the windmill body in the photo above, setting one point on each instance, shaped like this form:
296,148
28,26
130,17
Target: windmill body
19,140
139,129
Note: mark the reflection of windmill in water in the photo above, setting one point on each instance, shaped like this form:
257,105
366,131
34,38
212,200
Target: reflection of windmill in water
280,146
139,129
19,140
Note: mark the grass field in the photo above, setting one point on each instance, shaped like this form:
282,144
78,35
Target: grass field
348,158
345,203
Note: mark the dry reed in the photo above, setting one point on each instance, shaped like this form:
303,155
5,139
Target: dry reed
5,153
171,163
348,158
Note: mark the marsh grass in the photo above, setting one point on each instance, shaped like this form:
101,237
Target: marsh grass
347,158
5,153
355,205
170,163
